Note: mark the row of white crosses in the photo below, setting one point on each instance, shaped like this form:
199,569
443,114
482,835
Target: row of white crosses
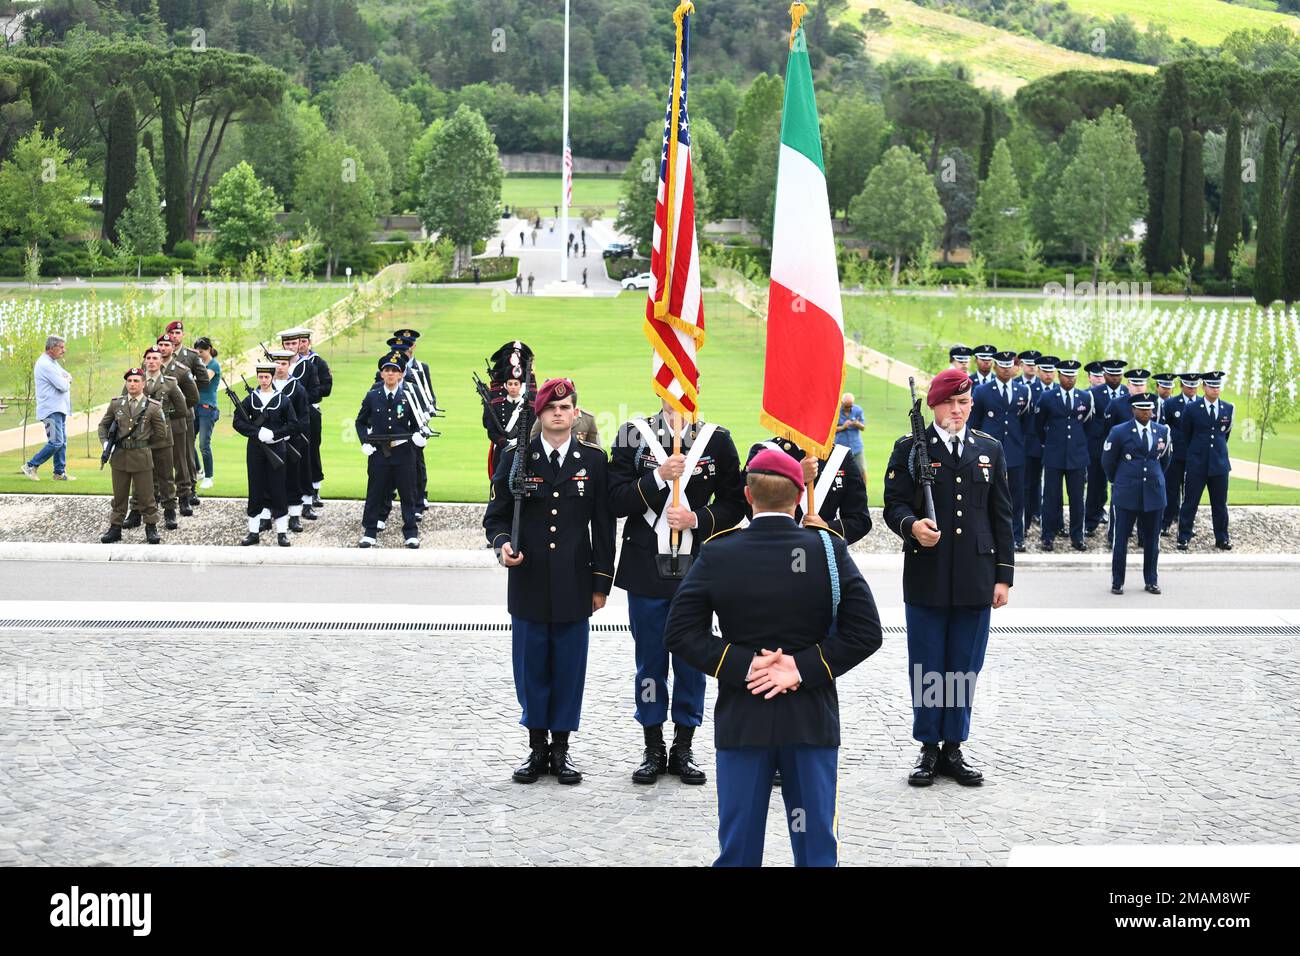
36,319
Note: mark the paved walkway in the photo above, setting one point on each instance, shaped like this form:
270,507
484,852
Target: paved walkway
544,259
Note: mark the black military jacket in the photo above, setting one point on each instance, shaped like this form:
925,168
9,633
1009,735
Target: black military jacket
380,417
972,505
279,417
566,532
770,586
843,507
714,493
306,373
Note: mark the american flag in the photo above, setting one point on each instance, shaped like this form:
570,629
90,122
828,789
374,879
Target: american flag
568,174
675,310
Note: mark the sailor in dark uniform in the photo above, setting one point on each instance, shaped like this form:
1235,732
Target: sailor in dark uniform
1060,416
297,467
839,490
267,418
1134,454
420,384
1207,426
387,410
956,569
1096,428
560,575
1000,408
1173,417
795,615
641,471
319,382
504,407
983,373
1033,447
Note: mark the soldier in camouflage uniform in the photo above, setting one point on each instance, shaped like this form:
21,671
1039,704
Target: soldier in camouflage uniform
163,390
139,423
182,461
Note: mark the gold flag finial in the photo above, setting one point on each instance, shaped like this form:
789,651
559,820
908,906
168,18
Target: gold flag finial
797,12
684,9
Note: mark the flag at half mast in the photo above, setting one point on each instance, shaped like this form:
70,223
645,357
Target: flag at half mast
674,315
804,372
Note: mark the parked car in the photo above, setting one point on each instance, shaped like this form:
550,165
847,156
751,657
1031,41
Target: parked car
641,281
618,250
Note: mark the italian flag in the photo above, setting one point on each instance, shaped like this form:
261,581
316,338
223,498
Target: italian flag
805,326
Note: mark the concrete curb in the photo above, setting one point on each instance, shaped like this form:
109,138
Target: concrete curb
267,555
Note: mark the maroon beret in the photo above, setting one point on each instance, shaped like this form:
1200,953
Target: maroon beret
133,371
770,462
949,382
175,326
161,339
552,390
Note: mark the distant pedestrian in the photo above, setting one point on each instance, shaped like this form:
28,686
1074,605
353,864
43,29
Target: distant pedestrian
476,275
503,245
557,211
584,278
534,237
521,242
519,283
584,235
584,248
53,406
530,283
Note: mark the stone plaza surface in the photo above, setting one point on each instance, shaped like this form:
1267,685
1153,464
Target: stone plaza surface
396,748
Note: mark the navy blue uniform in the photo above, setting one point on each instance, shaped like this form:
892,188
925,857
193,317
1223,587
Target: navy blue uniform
566,535
841,498
1097,428
948,588
319,387
1061,429
1134,464
266,483
1005,421
714,492
1176,464
1033,458
391,467
297,468
764,599
1206,437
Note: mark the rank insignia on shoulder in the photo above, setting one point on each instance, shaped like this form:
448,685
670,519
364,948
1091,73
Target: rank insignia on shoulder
1106,447
891,475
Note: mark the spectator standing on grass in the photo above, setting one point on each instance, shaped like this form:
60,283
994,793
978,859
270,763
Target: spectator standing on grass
530,283
53,406
848,431
207,413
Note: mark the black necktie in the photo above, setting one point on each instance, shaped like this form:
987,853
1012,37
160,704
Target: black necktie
555,461
956,448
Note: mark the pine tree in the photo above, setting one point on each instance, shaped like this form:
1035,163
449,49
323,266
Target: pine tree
986,142
1291,244
1268,234
119,166
1193,211
173,166
1171,111
998,226
141,225
1171,228
1229,227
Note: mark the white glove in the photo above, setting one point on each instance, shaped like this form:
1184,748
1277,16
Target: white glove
367,450
105,448
419,440
266,435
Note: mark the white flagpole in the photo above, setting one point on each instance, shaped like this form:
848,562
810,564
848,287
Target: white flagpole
564,146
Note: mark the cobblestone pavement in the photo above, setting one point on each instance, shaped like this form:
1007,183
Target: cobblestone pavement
211,748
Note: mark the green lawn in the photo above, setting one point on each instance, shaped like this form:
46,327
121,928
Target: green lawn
1205,21
597,342
541,191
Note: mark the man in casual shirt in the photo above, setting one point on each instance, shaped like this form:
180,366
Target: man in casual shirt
848,431
53,406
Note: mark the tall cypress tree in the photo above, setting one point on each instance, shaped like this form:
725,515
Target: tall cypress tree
1268,234
1170,112
1229,227
1291,244
1171,243
119,165
174,193
986,142
1193,211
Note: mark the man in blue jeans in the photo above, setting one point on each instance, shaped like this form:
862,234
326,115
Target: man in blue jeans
848,429
53,406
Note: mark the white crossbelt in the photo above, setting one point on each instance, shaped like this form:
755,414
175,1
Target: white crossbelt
824,480
652,518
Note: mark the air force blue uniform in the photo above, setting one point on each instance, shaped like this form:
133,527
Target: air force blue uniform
1004,420
1133,457
1033,457
1205,433
1097,428
1061,428
1176,464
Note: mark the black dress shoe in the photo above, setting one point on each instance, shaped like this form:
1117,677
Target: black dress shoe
1224,545
295,524
776,778
151,534
316,502
251,538
186,510
169,519
1090,533
922,774
681,764
194,501
112,535
1117,589
536,766
1153,589
308,513
653,763
282,539
132,519
562,767
265,525
1182,545
1049,546
1020,548
1078,546
1165,532
953,764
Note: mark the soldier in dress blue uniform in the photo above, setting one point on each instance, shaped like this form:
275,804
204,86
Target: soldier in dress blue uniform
1164,382
641,472
1061,413
1033,447
839,490
1120,410
1173,417
955,570
560,575
1134,456
1096,428
983,373
959,357
795,615
1207,426
1000,408
387,410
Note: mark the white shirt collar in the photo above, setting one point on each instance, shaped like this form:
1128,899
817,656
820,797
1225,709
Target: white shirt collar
946,436
563,449
393,392
772,514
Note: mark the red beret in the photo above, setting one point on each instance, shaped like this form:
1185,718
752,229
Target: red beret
770,462
552,390
949,382
175,326
139,372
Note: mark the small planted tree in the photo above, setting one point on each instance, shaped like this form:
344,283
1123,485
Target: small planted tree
141,225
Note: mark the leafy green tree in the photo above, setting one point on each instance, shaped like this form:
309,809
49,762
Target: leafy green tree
1268,239
1228,229
937,111
41,190
1291,243
986,141
710,166
242,213
998,225
898,209
360,107
856,133
462,183
119,169
955,180
141,226
1171,219
1053,103
760,109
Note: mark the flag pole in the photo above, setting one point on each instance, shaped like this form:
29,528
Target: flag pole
564,152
